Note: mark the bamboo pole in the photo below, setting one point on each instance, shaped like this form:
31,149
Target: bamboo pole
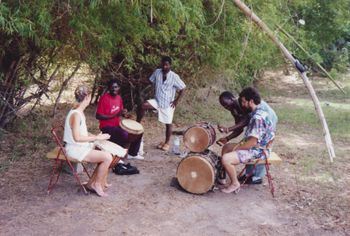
251,15
310,56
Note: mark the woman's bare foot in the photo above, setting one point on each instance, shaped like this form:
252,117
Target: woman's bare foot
106,186
231,188
89,188
98,189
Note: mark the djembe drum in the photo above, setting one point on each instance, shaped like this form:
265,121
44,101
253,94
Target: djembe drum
198,171
199,137
116,150
134,129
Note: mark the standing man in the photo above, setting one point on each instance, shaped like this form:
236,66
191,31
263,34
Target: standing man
166,83
242,117
258,136
109,109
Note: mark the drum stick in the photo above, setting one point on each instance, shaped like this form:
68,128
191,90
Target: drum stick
219,143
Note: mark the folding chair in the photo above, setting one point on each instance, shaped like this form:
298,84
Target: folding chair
60,158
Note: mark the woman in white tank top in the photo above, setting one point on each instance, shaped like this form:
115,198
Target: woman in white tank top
79,144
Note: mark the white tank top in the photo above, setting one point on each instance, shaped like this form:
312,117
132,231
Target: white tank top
68,133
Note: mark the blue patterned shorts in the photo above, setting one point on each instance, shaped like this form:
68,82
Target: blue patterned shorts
245,156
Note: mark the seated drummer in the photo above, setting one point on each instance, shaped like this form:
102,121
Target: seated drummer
79,144
229,102
259,134
109,109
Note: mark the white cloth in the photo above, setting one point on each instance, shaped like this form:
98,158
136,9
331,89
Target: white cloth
165,115
165,90
76,150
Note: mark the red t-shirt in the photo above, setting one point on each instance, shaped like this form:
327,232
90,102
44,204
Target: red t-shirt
109,105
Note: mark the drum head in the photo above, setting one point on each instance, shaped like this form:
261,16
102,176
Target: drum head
195,174
131,126
111,147
196,139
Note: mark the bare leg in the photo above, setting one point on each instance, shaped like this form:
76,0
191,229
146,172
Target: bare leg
229,160
106,184
228,147
103,159
141,111
168,131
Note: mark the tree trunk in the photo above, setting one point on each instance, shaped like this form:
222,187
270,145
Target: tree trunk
63,87
45,88
94,88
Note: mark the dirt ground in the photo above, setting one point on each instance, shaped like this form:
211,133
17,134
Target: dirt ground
151,203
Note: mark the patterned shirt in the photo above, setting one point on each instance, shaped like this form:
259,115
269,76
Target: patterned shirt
272,115
262,126
165,91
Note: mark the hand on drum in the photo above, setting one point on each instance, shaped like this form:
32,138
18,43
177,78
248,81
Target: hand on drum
125,113
102,136
223,129
222,141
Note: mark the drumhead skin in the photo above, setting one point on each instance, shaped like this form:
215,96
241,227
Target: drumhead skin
111,147
131,126
196,139
195,174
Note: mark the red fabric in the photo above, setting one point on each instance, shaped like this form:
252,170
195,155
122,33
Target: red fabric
108,105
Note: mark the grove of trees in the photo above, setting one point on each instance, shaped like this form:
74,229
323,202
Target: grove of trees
43,42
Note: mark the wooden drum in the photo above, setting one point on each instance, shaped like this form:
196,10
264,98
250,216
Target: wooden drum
199,137
198,171
111,147
134,129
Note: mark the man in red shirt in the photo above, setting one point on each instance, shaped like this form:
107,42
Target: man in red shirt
109,109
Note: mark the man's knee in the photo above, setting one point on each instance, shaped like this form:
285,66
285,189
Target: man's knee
225,148
227,158
230,158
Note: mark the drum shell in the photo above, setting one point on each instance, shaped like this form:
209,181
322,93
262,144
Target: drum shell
197,172
133,135
199,137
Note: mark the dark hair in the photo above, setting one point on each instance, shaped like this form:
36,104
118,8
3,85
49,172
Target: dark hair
166,59
81,92
226,95
111,82
250,93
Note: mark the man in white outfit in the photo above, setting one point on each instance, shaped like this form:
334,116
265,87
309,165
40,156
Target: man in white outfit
166,83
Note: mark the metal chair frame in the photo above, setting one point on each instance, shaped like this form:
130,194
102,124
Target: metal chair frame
58,163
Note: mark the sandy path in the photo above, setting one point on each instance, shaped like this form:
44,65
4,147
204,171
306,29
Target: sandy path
145,204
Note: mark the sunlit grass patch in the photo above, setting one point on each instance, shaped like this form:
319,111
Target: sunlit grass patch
202,106
302,116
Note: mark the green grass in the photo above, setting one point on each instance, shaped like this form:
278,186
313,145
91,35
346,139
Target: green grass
200,107
302,116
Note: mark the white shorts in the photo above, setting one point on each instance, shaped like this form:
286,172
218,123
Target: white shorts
165,115
78,152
